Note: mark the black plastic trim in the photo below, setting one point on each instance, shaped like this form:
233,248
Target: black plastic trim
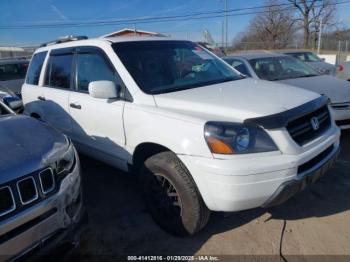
281,119
343,122
290,188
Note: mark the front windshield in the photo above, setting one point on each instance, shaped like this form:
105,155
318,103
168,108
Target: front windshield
306,57
280,68
167,66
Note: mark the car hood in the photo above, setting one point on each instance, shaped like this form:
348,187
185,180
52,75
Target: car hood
236,100
323,67
336,89
26,146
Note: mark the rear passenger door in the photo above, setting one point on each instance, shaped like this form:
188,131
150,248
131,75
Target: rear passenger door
58,84
97,123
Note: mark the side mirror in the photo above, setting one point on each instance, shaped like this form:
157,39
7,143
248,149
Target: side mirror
103,89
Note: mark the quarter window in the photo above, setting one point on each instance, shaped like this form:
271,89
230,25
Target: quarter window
59,71
92,67
34,69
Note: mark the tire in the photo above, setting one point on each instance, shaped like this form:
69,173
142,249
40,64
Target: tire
171,195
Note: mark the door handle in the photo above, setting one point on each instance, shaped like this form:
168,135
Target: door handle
42,98
75,106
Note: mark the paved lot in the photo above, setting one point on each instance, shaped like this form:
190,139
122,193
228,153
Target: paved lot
316,221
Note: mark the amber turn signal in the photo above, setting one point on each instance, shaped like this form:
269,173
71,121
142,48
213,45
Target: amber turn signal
219,147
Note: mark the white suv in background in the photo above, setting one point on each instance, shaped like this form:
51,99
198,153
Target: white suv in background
200,135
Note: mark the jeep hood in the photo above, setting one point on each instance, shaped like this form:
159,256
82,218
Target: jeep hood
336,89
236,100
26,145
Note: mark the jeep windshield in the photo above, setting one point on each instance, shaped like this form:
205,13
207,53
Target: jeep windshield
281,68
168,66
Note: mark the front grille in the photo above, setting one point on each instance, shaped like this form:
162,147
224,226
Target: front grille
27,190
314,161
7,202
47,180
24,192
303,131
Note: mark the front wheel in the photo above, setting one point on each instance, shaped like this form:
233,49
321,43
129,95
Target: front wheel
171,195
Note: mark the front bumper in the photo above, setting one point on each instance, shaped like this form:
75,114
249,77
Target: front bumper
42,227
249,181
290,188
341,115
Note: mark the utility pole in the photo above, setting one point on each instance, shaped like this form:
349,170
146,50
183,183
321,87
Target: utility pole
319,36
226,25
222,34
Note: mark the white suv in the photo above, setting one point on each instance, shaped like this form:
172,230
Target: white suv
200,136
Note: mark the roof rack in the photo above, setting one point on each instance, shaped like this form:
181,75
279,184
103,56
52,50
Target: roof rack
65,39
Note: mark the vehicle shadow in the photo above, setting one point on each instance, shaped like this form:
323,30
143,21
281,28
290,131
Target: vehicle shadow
120,225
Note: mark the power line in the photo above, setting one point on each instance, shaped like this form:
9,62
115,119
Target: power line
191,16
136,20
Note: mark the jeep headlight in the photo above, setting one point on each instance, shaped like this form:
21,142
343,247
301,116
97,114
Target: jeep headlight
66,161
235,138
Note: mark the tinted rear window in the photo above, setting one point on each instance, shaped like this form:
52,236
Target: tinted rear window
59,69
35,66
13,71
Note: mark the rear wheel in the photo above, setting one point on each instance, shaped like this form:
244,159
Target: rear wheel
171,195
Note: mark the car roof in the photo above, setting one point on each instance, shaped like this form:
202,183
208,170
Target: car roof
13,60
296,52
103,40
250,56
140,38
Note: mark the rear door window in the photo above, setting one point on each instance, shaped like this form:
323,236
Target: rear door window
59,71
35,67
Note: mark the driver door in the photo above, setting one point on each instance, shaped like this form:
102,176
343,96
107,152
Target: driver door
97,123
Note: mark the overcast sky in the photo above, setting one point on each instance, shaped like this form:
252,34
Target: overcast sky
48,11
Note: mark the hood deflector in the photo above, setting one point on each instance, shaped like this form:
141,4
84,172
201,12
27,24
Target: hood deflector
281,119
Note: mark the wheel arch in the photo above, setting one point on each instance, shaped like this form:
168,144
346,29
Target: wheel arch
145,150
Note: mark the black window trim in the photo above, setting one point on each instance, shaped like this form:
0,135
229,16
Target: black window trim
125,94
59,52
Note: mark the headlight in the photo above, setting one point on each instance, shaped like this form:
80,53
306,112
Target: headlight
66,161
234,138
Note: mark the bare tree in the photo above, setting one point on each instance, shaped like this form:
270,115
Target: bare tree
311,13
273,28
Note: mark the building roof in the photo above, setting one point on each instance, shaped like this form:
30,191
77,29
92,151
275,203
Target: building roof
130,30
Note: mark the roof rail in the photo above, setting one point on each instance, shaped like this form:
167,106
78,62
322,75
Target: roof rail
65,39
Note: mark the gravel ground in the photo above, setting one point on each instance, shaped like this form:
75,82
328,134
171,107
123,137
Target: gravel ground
315,222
